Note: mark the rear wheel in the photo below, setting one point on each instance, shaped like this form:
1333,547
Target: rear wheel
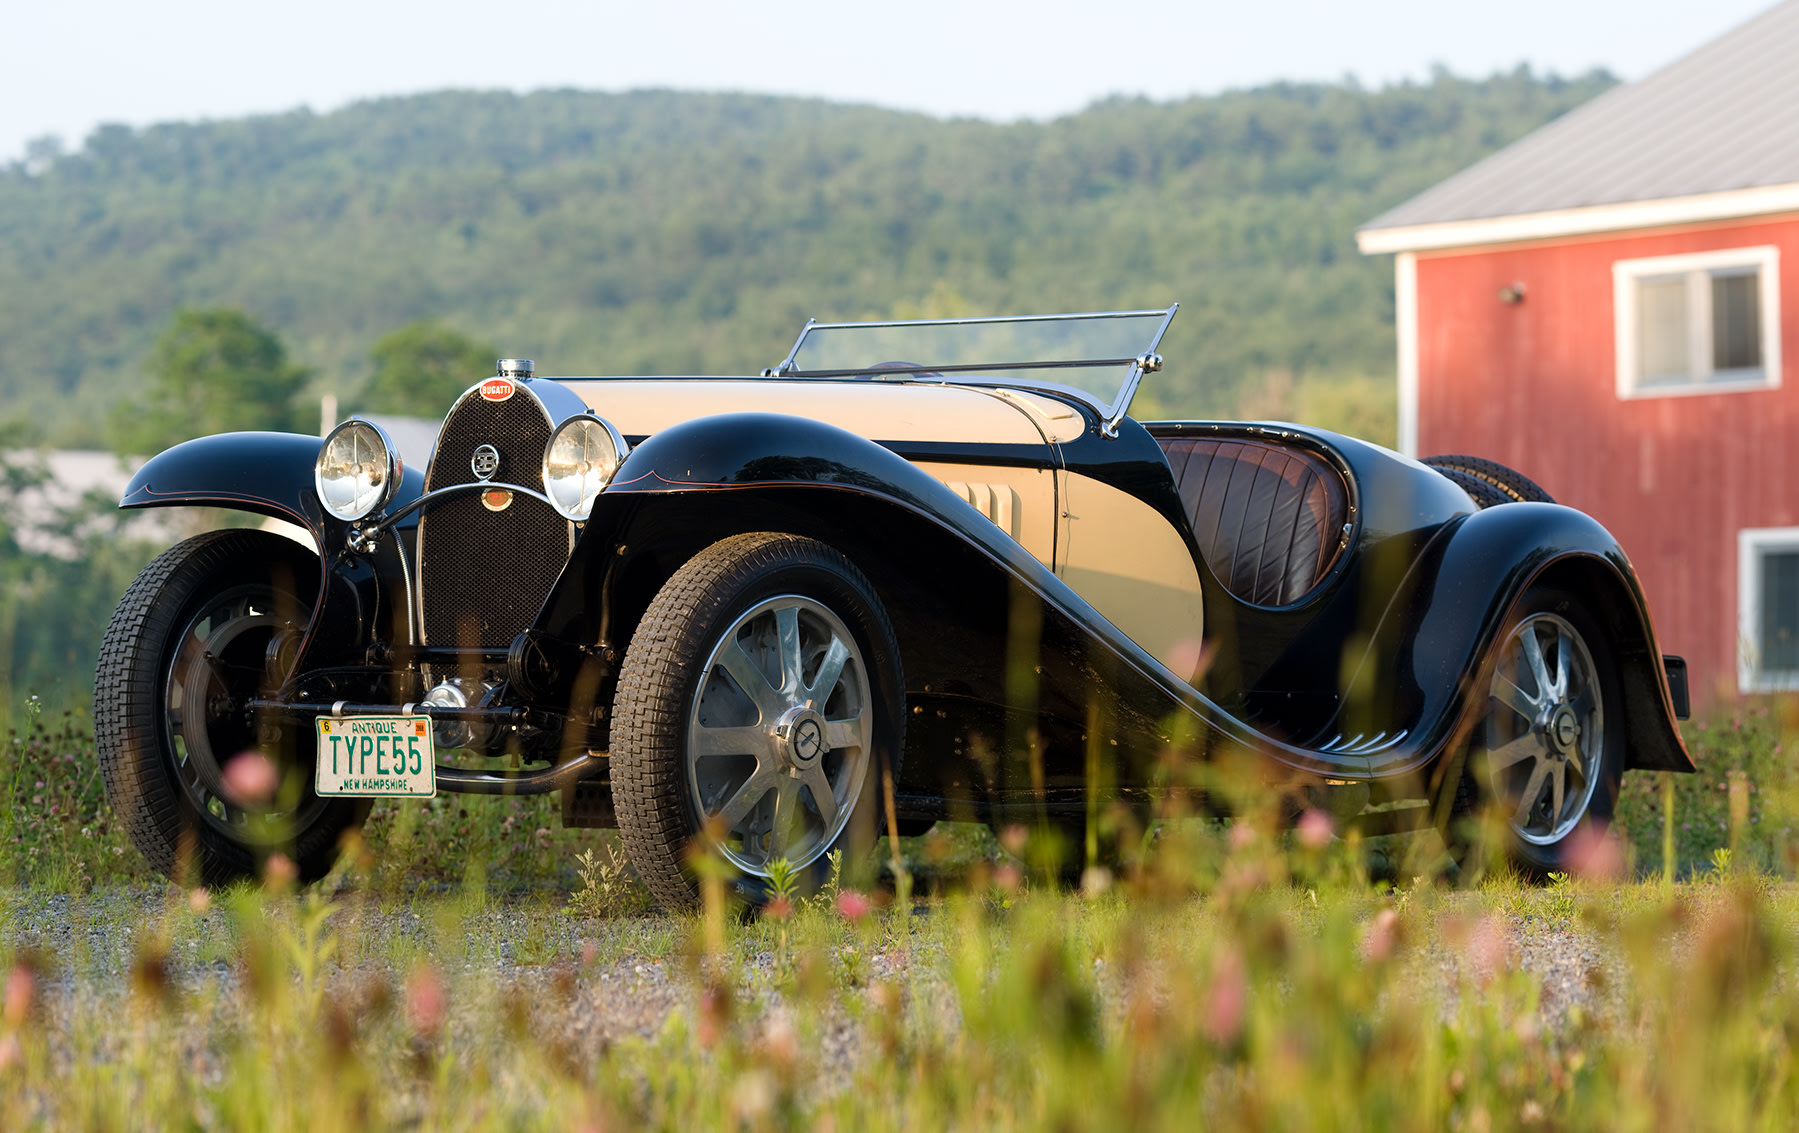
1549,756
758,705
210,624
1488,482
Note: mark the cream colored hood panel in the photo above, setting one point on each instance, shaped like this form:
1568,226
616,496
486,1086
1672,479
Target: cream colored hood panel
876,410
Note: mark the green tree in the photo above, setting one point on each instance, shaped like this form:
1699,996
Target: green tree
212,371
420,368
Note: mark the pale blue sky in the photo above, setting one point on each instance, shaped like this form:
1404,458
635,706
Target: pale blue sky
74,64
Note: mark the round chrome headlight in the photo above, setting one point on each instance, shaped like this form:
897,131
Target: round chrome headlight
358,470
578,463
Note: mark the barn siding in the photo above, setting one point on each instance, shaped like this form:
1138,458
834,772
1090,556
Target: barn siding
1534,386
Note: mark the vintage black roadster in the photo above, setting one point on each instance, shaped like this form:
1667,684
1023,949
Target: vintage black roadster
917,570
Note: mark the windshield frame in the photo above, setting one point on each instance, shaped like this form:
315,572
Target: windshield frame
1003,373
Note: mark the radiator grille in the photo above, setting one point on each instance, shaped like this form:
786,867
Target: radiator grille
484,574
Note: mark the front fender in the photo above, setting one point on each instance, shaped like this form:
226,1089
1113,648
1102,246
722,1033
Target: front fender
1481,572
271,474
265,473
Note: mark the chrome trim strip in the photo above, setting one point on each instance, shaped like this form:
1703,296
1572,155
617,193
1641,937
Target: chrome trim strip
415,610
1362,744
450,489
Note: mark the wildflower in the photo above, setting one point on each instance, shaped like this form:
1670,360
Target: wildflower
851,905
426,1002
279,871
715,1013
1382,936
251,778
1489,947
1012,838
1315,829
198,899
778,909
21,986
1593,854
1008,877
1226,999
780,1042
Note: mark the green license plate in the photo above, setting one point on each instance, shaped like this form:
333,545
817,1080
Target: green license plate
382,756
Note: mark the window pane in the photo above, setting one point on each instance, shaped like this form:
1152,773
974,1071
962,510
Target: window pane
1662,329
1736,321
1780,612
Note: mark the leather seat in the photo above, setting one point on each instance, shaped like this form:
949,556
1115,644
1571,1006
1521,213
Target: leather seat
1268,519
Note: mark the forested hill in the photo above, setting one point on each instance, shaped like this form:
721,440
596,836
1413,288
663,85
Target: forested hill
660,232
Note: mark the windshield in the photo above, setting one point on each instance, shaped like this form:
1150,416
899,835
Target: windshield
1093,355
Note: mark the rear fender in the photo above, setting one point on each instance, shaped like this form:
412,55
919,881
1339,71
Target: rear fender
1482,571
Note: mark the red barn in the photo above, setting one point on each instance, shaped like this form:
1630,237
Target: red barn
1603,306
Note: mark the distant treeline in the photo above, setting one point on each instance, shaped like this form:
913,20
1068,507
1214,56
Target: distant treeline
660,232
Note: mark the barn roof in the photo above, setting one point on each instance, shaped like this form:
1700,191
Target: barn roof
1713,134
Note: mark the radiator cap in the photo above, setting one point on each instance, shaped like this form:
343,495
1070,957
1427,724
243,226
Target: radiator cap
513,367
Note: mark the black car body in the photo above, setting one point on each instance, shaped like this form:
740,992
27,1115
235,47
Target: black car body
1020,596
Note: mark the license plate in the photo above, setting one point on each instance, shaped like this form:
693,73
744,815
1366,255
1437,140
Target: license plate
376,756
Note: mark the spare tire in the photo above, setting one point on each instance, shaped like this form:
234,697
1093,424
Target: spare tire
1488,482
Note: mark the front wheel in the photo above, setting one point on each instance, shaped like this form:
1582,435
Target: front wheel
210,624
759,704
1549,756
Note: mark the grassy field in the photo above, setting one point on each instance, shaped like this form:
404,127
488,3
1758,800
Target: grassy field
472,966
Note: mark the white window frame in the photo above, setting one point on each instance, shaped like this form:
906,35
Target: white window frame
1753,544
1625,274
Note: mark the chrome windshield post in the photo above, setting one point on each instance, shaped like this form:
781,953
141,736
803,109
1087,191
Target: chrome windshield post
1146,363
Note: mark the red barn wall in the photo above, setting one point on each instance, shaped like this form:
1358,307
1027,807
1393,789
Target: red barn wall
1533,385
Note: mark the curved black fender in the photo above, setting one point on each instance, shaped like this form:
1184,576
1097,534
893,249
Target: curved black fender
984,626
265,473
272,474
1475,577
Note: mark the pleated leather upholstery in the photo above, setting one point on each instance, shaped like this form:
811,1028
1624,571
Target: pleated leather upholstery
1267,519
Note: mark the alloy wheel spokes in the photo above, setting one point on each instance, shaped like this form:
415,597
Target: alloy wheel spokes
1533,790
747,796
1516,698
750,678
1533,656
779,738
1542,751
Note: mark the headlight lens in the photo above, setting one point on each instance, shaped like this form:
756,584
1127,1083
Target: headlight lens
358,470
579,462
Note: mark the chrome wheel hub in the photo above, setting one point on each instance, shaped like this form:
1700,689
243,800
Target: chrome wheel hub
779,737
1546,733
800,738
